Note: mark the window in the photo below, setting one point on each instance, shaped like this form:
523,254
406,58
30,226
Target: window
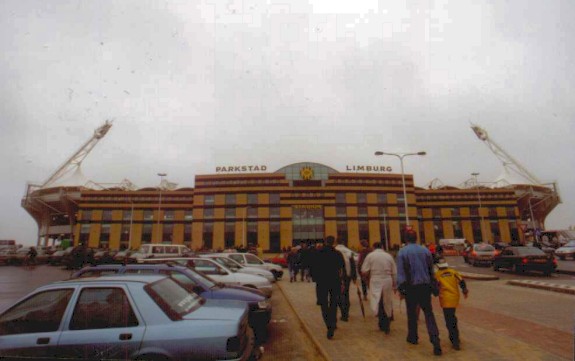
457,231
45,309
188,215
493,212
400,198
107,215
169,214
238,258
251,259
167,232
510,212
230,199
381,198
252,212
274,198
275,236
84,233
340,211
382,212
340,198
104,235
147,233
102,308
172,298
208,213
362,211
454,212
436,212
274,212
125,236
229,234
127,215
361,198
401,211
148,214
252,198
86,215
230,213
188,234
208,235
363,230
209,199
341,231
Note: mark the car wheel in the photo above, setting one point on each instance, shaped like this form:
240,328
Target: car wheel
276,275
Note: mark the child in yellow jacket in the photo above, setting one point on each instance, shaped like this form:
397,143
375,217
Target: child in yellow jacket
450,281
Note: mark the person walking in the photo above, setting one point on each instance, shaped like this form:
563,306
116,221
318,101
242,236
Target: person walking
304,261
365,250
314,266
329,277
450,281
414,279
349,275
380,271
293,264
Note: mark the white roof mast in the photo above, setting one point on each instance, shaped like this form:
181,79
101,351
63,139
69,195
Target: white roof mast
74,162
508,161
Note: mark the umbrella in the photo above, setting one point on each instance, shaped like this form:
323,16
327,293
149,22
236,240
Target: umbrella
360,301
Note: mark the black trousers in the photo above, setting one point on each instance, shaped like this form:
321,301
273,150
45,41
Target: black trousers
328,295
451,324
343,302
382,317
364,287
420,295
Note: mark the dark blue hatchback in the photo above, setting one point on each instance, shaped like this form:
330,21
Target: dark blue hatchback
260,308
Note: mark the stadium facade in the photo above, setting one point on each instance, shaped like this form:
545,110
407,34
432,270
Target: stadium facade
247,205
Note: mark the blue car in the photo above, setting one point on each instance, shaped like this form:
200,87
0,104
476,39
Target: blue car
149,317
259,307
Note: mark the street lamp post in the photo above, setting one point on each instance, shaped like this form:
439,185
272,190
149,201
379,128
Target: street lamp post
401,156
475,174
162,175
131,223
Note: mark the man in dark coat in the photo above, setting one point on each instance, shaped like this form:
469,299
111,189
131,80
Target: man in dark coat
328,277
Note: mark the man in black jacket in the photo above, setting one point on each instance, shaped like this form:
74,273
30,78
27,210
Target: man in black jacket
329,282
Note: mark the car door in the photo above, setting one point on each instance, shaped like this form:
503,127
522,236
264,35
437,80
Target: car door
31,328
104,324
253,261
215,271
238,258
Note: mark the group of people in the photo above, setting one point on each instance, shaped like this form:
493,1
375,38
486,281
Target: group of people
412,274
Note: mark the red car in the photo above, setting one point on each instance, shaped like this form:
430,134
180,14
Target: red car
280,260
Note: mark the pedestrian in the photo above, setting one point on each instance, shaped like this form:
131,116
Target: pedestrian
449,281
293,264
329,276
349,275
415,282
304,262
314,265
32,253
365,249
381,272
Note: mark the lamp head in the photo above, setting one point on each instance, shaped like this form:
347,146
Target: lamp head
379,153
421,153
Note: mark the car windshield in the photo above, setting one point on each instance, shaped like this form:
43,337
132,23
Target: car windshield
232,265
484,248
173,299
529,251
206,281
570,244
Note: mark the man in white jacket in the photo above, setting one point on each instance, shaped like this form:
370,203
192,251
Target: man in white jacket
350,275
381,270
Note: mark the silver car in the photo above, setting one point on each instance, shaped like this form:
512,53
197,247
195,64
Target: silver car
567,250
237,267
124,317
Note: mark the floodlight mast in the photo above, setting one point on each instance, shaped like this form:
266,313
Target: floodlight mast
73,163
508,161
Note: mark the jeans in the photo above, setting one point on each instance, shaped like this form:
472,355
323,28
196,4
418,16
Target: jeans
451,324
420,295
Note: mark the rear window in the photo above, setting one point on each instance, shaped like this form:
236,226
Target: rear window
173,298
570,244
484,247
529,251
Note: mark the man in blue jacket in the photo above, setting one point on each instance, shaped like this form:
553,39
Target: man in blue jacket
414,279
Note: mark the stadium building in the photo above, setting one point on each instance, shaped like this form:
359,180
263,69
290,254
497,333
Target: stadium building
247,205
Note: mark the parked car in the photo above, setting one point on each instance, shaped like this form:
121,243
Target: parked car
567,250
236,267
5,256
57,258
260,308
521,258
248,259
19,257
280,260
104,256
79,257
222,274
159,250
122,257
481,253
124,317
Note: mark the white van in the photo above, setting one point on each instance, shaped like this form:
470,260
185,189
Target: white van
159,250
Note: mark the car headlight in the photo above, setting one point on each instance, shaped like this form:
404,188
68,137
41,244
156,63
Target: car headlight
263,305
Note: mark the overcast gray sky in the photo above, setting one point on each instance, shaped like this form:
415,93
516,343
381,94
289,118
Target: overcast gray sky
192,86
